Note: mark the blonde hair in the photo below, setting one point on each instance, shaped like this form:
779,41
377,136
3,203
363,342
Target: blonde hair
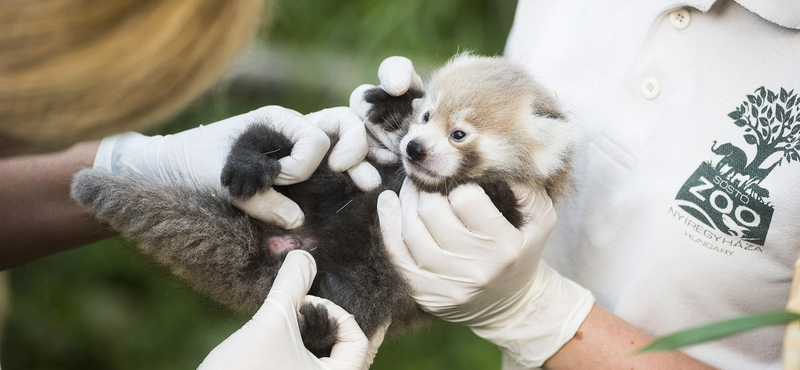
75,69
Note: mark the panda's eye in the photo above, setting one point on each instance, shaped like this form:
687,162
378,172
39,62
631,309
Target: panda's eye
458,135
426,117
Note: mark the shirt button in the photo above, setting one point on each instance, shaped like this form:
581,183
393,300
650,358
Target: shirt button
680,18
650,88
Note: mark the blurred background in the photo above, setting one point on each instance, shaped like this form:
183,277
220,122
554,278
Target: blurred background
105,307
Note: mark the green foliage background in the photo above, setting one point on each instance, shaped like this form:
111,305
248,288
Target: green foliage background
104,307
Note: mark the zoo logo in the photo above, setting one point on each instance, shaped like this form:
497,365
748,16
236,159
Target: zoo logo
728,196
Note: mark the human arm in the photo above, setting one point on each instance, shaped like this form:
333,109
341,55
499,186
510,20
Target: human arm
469,267
271,339
37,215
38,218
605,341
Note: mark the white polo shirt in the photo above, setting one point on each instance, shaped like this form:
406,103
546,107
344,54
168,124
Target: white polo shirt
687,207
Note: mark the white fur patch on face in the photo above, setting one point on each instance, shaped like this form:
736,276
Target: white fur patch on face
498,153
441,158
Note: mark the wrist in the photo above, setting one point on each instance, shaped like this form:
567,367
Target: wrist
129,152
555,309
105,152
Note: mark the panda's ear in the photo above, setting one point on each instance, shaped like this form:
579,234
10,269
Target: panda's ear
548,108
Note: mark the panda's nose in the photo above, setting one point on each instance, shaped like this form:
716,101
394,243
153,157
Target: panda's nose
415,151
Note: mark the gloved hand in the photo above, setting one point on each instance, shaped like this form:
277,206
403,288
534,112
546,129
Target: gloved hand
198,155
467,264
397,75
271,339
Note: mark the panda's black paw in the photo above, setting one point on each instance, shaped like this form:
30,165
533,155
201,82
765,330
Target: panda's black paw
252,165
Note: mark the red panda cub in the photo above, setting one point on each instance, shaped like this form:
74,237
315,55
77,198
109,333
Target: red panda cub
486,118
480,120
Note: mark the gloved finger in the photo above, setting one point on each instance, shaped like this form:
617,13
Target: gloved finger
365,176
357,102
374,344
460,248
390,220
272,207
351,348
537,205
292,282
397,75
422,246
352,146
474,208
310,143
446,228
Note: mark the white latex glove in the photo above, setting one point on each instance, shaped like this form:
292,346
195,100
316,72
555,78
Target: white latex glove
467,264
271,339
396,75
197,156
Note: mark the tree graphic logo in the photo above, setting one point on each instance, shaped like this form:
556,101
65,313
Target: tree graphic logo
728,195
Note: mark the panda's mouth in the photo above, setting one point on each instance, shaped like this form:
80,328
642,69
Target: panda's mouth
417,168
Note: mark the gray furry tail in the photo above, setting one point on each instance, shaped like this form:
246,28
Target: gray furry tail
197,234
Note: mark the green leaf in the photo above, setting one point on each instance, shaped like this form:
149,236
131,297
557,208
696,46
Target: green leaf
763,121
719,329
790,102
735,114
751,98
761,91
750,139
784,95
775,129
765,133
769,113
795,130
779,113
771,97
759,101
754,112
740,122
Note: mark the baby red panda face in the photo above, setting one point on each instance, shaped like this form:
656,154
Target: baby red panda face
449,144
439,144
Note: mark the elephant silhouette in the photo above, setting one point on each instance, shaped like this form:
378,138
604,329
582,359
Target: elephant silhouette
734,157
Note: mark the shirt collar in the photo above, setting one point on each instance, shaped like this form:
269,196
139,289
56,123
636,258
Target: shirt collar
784,13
